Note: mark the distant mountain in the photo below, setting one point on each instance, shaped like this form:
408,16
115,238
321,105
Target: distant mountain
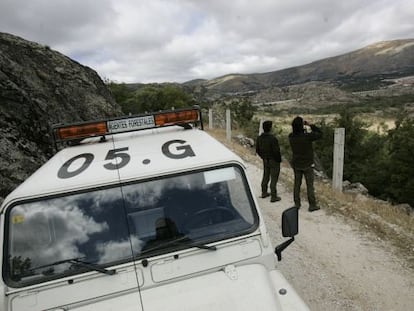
388,59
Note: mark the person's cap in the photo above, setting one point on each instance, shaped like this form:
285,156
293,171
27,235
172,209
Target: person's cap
267,126
297,122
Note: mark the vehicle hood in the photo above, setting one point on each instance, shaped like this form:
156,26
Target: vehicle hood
249,287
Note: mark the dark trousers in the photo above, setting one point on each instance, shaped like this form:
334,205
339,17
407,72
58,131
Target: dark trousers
271,170
309,177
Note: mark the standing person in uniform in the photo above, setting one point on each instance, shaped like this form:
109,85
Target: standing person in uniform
301,143
267,147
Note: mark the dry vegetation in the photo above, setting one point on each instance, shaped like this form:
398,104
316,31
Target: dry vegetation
388,222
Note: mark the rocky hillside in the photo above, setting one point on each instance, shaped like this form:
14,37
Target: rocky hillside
40,87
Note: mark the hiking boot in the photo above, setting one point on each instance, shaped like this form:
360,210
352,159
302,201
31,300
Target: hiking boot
275,199
265,195
313,208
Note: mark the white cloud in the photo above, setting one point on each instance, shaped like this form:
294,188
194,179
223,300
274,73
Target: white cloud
116,250
72,226
179,40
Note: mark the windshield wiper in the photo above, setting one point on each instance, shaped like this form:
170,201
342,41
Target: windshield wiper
92,266
183,240
78,262
203,246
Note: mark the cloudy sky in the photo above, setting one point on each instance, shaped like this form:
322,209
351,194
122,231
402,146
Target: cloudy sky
180,40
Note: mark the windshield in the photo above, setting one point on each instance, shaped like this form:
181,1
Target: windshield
113,225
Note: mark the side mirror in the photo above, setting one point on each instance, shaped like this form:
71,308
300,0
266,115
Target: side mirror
290,221
290,224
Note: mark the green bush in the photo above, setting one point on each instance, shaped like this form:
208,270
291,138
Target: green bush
150,98
384,164
401,162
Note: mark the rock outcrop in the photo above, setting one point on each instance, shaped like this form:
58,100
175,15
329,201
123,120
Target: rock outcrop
40,87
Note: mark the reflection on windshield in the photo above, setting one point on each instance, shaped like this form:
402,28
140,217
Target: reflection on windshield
110,226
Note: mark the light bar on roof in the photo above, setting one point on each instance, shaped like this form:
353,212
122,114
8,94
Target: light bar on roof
81,131
128,124
176,117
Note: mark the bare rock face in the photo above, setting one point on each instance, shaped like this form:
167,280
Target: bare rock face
40,87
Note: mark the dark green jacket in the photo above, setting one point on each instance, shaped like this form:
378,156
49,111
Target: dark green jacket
302,148
267,147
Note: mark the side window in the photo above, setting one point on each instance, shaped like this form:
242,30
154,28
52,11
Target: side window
238,192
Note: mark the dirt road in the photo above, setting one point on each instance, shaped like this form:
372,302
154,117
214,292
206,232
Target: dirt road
333,264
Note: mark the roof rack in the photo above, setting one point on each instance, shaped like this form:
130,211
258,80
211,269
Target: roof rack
73,133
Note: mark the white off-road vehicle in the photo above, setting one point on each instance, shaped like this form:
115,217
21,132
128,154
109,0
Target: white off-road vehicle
146,212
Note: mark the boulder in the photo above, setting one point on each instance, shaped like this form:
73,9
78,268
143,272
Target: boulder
354,187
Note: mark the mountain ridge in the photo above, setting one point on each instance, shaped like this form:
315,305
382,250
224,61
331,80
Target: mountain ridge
388,59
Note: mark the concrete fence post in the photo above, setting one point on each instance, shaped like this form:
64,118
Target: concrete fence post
338,159
210,119
228,125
